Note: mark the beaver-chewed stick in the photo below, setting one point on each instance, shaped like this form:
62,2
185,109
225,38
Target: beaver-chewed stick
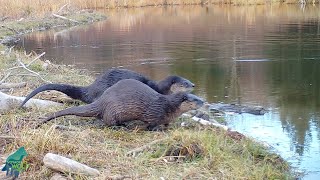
63,164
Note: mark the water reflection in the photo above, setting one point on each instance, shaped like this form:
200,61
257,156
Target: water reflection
256,55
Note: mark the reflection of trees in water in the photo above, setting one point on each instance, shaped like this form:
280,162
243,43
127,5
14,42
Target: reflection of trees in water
296,81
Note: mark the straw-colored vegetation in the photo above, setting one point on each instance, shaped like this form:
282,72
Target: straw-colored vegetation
196,152
35,7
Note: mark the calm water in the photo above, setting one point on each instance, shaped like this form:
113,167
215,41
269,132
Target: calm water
267,56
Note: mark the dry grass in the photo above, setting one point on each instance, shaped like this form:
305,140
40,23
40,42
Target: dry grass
187,153
18,8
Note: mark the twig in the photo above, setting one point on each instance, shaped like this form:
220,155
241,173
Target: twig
8,137
135,151
62,17
166,157
24,66
208,123
5,77
10,49
38,57
62,8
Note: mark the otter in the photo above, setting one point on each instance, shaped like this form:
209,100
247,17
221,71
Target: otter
88,94
129,100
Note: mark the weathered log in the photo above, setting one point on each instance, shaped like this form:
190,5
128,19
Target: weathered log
8,102
63,164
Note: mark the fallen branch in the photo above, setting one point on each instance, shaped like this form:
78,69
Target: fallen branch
208,123
12,85
5,77
135,151
62,17
38,57
25,67
8,102
21,65
63,164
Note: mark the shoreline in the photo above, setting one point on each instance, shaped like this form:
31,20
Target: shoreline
10,30
219,152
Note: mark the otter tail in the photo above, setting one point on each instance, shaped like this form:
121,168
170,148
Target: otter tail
75,92
89,110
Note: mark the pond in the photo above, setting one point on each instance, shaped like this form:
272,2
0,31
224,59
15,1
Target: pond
257,55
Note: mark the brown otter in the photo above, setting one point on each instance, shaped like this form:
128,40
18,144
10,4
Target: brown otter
90,93
129,100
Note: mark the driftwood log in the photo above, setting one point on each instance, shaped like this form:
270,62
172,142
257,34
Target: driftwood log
63,164
8,102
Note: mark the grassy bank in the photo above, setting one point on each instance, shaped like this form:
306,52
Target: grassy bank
12,27
18,8
185,153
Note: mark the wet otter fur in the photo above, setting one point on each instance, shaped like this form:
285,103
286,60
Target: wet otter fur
90,93
130,100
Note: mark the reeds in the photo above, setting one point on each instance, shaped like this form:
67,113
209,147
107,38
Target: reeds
19,8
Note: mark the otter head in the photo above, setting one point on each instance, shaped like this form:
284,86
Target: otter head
191,102
180,84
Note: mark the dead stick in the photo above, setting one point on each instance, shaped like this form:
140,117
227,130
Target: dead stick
62,17
62,8
144,147
24,66
8,137
38,57
5,77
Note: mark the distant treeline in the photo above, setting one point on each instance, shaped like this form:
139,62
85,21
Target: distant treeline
36,7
